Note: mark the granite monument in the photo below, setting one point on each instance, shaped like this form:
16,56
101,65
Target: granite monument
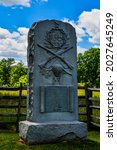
52,105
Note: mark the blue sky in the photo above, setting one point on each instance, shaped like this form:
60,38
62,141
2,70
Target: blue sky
18,15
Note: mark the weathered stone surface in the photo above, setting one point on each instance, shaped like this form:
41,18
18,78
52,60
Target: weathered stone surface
35,133
52,63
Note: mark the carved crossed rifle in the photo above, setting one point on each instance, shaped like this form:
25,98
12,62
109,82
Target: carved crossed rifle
56,55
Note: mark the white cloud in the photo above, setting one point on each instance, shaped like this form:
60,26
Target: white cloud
4,33
80,49
88,24
96,46
23,30
13,44
90,21
25,3
21,3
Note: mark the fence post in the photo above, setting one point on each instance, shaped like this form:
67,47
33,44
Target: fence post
19,108
88,94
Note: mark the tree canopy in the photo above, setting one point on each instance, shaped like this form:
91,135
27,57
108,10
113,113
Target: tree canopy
89,67
12,73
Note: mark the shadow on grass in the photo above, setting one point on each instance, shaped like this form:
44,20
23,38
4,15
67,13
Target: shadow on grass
10,141
85,145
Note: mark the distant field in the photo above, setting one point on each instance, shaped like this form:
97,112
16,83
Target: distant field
24,93
12,93
82,93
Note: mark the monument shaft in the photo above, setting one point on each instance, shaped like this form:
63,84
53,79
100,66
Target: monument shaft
52,91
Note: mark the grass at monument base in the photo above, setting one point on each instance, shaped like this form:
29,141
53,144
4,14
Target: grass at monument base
10,141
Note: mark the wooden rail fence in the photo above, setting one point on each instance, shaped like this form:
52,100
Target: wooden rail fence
91,105
18,105
87,106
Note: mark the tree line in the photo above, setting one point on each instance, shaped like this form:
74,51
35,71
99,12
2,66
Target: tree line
88,68
12,73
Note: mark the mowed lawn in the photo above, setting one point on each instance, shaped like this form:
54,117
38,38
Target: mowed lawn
10,141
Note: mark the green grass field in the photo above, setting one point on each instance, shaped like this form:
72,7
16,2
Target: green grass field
24,93
10,141
12,93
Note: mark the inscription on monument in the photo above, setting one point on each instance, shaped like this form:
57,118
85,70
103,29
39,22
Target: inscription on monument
56,99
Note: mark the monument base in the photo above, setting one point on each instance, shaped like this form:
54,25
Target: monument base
36,133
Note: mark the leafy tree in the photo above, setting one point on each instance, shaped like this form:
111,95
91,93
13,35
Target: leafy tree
18,72
5,68
89,67
23,80
12,73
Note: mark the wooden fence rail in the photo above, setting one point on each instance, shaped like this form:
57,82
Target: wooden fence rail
92,105
17,106
87,106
